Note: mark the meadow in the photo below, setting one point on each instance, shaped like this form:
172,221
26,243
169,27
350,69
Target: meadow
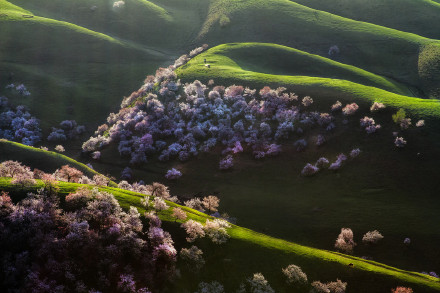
80,58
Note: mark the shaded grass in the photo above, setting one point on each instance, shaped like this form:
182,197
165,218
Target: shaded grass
252,239
415,16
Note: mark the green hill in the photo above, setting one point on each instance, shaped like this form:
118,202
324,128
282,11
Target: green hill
415,16
273,253
77,55
46,161
301,72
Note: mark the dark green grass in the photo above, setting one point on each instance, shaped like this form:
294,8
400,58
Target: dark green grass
271,253
227,68
415,16
71,74
377,49
46,161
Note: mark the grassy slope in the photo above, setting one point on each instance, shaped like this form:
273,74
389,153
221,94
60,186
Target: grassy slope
47,161
282,60
380,50
226,69
326,259
415,16
68,68
74,59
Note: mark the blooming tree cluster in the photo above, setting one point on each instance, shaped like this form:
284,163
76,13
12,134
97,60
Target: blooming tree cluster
69,129
23,175
167,120
94,246
322,163
331,287
17,124
214,229
20,89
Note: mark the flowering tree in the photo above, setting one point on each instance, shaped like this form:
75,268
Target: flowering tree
193,257
194,230
68,174
295,275
59,148
179,214
71,250
173,174
372,237
345,241
211,203
309,170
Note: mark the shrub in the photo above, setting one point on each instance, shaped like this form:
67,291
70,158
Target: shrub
309,170
354,153
331,287
59,148
372,237
345,241
307,101
336,106
211,203
377,106
295,275
350,109
173,174
259,284
194,230
193,256
68,174
216,230
420,123
226,163
399,142
179,214
322,162
212,287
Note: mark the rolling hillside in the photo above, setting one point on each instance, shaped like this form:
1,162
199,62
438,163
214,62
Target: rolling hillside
74,55
303,73
79,58
274,253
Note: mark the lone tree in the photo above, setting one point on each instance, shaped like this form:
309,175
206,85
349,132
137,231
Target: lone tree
211,203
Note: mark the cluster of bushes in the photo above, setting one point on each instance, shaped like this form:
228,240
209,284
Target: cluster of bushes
87,245
17,124
69,129
322,163
345,241
20,89
295,277
168,120
23,175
